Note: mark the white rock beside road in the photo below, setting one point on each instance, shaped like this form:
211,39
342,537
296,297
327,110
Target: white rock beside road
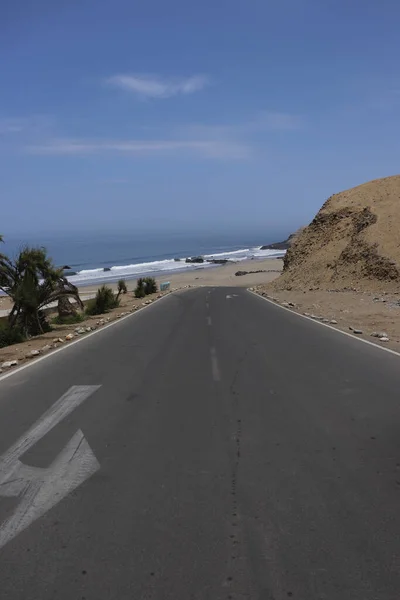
9,363
379,334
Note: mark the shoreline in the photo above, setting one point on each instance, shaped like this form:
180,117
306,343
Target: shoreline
224,275
112,280
190,272
213,275
98,275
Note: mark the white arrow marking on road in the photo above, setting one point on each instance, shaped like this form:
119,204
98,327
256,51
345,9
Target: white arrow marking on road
41,489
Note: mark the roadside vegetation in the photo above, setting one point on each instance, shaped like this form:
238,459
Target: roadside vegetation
103,302
121,288
145,286
9,335
32,282
68,320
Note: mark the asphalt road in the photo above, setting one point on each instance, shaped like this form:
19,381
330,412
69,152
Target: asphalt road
232,451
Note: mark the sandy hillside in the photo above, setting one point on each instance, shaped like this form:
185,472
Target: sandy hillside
353,242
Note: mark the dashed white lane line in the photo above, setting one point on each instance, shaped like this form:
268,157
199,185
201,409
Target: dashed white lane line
209,321
207,305
214,365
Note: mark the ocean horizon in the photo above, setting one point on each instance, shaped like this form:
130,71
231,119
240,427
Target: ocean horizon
102,258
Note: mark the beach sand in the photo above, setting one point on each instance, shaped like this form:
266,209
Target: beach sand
223,275
213,276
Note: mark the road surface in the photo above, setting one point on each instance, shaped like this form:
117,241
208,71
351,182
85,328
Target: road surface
212,447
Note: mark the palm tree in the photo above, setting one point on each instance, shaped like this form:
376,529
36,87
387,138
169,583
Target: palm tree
32,282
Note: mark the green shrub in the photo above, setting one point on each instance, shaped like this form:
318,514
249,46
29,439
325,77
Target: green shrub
90,307
145,286
103,302
151,285
10,335
68,320
140,291
122,289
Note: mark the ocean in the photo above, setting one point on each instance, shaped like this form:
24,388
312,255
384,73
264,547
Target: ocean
106,258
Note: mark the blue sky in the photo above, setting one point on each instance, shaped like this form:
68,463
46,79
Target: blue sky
239,114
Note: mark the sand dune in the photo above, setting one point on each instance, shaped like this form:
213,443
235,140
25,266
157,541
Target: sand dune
354,241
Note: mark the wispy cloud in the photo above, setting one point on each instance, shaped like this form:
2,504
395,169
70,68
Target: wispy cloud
31,125
263,123
11,125
234,141
150,86
218,149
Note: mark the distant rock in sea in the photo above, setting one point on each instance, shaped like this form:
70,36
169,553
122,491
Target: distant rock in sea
241,273
67,272
285,245
195,259
107,269
218,261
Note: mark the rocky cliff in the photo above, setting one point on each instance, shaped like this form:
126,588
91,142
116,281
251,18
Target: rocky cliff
282,245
